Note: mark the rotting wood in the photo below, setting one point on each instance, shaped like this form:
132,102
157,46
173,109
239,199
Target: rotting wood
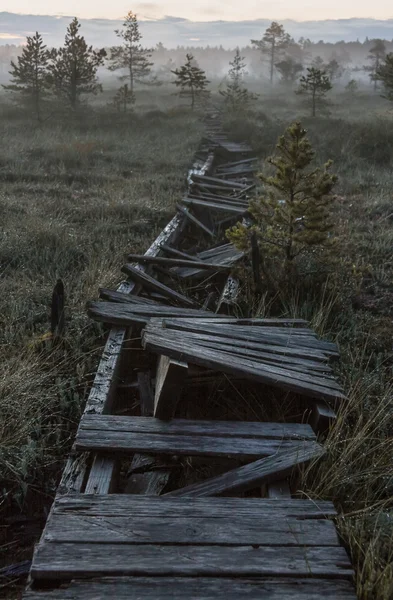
322,417
254,474
279,489
171,375
175,252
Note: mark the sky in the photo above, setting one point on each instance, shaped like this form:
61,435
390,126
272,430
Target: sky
207,10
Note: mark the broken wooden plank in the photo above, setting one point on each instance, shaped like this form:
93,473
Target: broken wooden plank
150,283
236,209
307,385
176,262
175,252
252,475
120,442
279,489
171,375
192,218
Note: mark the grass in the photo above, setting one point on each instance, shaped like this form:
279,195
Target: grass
77,196
353,307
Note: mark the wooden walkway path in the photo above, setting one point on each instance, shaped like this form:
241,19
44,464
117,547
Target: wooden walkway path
155,503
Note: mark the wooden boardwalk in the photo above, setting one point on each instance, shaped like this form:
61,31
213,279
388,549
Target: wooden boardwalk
156,504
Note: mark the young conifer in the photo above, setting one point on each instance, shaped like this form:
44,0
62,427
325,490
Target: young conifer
29,75
376,56
74,67
191,80
236,96
124,99
131,56
315,85
293,216
385,75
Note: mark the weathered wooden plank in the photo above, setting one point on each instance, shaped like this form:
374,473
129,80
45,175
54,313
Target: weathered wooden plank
229,294
116,504
146,395
238,210
292,363
65,561
265,470
177,262
322,417
115,442
133,529
209,179
152,284
104,471
197,588
124,313
313,387
244,429
175,252
192,218
171,375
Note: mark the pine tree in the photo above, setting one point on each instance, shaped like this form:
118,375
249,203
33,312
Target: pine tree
74,67
294,215
130,56
236,96
334,70
124,99
351,88
376,56
289,70
29,76
274,41
191,80
315,85
385,75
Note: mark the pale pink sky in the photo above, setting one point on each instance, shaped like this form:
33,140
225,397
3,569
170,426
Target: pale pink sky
207,10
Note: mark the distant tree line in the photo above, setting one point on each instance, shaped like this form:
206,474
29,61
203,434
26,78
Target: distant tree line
70,73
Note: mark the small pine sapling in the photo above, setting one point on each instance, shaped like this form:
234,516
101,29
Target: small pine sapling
315,85
29,75
191,80
385,75
236,96
293,217
124,99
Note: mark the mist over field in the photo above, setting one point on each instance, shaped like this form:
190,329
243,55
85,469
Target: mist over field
98,132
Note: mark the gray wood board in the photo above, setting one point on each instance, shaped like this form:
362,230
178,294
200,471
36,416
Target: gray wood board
244,429
315,387
247,477
227,531
63,561
211,588
114,441
150,283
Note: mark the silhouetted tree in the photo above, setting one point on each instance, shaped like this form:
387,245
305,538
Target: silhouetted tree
191,80
131,55
73,69
124,98
289,69
274,41
315,84
376,56
236,96
29,75
385,75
